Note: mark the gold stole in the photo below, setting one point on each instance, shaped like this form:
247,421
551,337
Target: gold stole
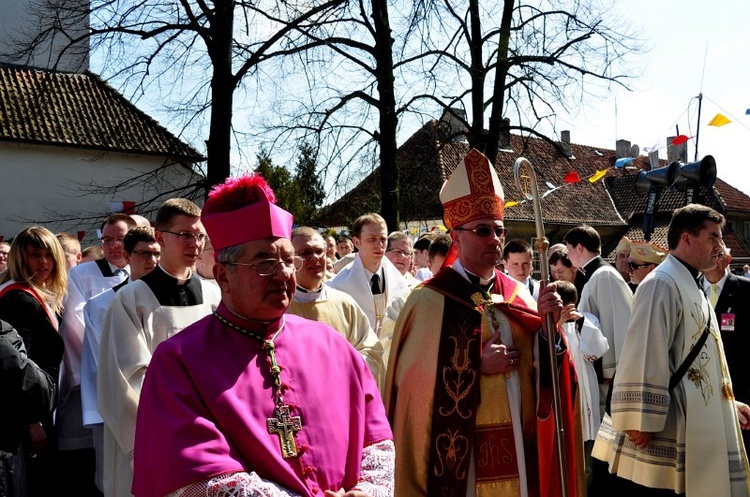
496,460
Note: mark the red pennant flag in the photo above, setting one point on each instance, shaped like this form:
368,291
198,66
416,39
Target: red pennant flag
679,140
572,177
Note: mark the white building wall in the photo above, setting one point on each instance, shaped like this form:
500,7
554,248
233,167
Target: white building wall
61,188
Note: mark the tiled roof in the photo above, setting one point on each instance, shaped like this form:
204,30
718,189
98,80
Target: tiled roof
425,160
732,198
79,110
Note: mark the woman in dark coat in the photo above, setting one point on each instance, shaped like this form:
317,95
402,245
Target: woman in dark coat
31,297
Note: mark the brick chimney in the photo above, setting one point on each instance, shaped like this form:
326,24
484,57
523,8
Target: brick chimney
565,142
676,153
452,122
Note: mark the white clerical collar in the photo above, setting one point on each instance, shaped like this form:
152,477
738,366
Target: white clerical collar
464,272
304,295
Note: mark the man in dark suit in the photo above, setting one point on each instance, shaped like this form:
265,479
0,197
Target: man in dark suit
729,295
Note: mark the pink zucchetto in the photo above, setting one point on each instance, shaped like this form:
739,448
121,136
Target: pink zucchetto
242,210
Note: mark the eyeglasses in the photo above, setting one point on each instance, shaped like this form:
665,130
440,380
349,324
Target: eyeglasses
147,254
401,253
306,254
634,266
186,236
269,267
485,231
110,240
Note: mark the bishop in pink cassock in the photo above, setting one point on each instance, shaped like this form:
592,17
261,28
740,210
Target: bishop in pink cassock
248,400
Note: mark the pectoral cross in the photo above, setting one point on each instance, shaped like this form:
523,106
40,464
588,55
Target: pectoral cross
285,426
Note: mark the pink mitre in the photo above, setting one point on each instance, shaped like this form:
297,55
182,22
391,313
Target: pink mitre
242,210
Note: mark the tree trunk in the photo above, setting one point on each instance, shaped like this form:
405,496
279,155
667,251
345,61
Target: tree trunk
223,85
389,177
498,93
476,130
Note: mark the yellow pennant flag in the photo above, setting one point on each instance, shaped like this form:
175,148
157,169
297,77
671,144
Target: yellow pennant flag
719,120
598,175
511,203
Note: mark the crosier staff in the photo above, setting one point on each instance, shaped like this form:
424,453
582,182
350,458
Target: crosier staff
524,169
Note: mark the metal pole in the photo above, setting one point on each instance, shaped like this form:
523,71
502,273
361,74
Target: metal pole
523,166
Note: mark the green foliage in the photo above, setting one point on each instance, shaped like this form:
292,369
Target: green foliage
302,193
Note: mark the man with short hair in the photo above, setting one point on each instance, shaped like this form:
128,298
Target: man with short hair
4,251
142,254
71,248
372,279
674,425
729,295
603,293
85,281
518,260
344,246
141,316
250,400
462,384
422,255
314,300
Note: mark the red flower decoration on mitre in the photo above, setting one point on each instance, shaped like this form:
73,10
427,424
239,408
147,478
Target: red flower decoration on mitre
238,192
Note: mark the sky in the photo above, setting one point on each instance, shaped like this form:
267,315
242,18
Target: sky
696,47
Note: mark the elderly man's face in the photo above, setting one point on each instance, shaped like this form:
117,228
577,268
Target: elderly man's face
621,261
255,296
4,251
400,254
639,269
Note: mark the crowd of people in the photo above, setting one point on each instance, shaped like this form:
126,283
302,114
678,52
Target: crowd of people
224,351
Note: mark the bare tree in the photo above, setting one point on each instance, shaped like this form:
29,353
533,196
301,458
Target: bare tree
528,59
203,50
531,59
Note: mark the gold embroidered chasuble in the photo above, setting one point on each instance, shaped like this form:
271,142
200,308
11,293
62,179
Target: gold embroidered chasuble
504,460
696,448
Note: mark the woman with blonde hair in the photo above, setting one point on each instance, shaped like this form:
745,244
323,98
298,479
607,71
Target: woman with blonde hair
31,298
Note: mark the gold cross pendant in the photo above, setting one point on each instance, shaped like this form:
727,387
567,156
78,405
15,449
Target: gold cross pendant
285,426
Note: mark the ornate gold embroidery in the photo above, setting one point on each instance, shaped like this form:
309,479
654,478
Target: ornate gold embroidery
459,379
452,449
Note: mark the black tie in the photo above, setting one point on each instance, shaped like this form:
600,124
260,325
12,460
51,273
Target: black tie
375,284
121,272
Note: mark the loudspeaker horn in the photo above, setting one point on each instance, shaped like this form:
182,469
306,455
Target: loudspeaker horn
662,176
700,173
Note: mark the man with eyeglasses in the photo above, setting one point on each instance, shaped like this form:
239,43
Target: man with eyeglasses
143,314
314,300
400,252
252,400
85,281
142,254
461,390
642,259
